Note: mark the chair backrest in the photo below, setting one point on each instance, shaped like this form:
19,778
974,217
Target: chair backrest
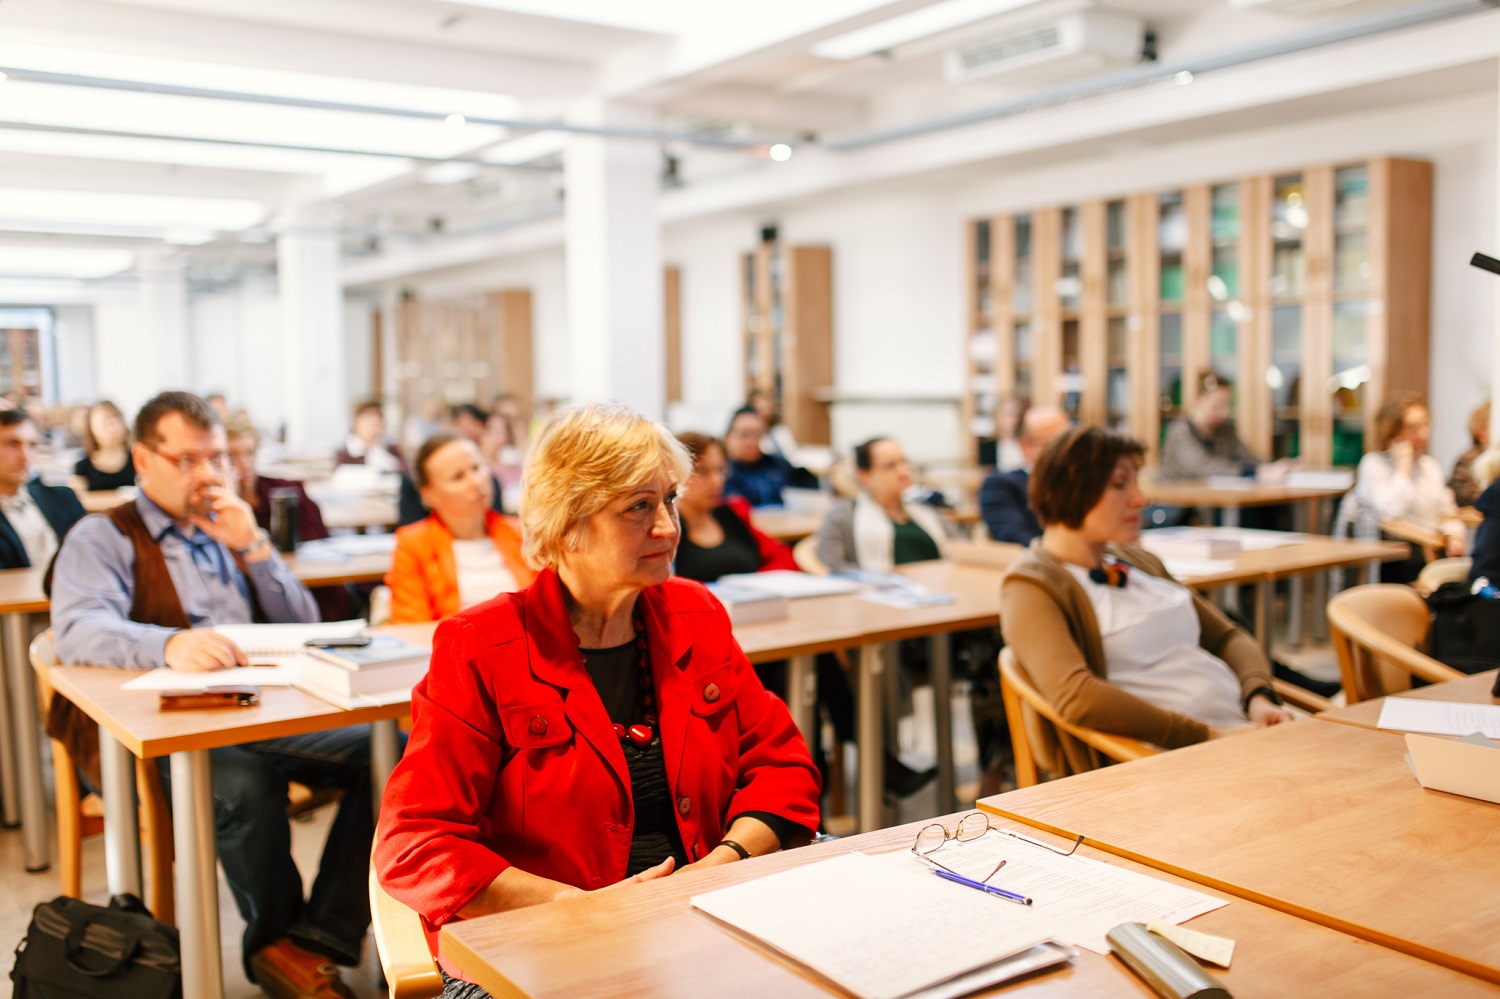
410,971
1376,631
1443,570
806,554
1036,726
380,606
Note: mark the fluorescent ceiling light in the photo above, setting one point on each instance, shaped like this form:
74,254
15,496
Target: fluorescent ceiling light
153,211
452,172
61,262
526,149
657,16
890,33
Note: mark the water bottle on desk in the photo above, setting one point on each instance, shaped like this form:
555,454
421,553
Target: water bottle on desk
284,507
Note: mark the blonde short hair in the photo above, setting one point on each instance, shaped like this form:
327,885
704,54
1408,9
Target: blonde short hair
585,458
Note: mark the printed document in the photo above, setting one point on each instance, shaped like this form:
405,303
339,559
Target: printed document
1408,714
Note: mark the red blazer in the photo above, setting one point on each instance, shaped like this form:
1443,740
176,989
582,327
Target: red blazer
773,554
512,760
423,577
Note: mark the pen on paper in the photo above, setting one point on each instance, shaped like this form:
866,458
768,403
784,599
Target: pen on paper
987,889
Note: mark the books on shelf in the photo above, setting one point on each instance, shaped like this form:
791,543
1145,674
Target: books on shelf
747,605
387,663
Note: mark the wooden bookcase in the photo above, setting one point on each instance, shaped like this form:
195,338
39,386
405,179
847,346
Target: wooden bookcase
1308,289
788,333
467,349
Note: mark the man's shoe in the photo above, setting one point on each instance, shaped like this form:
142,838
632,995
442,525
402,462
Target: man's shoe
901,781
285,971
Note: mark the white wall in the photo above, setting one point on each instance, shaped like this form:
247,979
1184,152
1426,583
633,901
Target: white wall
73,330
234,337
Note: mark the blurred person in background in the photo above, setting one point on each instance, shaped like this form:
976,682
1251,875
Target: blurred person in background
502,449
1463,482
1003,501
106,445
366,444
33,516
463,552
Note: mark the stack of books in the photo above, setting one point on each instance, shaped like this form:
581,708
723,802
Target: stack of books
386,664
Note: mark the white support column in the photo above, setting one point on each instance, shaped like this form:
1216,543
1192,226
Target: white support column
312,327
616,341
164,319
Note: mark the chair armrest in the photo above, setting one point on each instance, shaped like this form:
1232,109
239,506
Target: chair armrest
1301,697
1120,748
410,971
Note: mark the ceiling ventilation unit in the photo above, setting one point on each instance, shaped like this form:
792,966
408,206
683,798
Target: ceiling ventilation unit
1072,45
1316,8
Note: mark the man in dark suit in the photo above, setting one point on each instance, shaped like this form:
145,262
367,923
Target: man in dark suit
33,516
1003,501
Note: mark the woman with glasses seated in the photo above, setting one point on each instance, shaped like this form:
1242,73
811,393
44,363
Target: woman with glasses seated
463,552
1101,628
717,536
600,726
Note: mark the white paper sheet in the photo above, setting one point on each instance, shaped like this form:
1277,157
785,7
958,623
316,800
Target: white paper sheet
877,930
1408,714
792,585
173,679
265,644
1078,898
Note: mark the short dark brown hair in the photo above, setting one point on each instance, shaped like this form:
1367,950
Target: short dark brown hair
698,444
367,406
864,459
1393,414
191,408
1073,471
425,452
13,417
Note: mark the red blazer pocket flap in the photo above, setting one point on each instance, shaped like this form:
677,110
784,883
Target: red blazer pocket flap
713,692
535,726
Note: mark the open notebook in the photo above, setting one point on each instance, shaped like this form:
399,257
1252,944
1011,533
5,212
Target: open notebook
271,648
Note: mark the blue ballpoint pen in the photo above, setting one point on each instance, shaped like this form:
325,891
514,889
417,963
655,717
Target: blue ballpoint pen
989,889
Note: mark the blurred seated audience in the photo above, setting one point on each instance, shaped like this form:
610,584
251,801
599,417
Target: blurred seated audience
778,438
1462,482
334,602
33,516
878,529
502,449
718,537
1100,627
1487,539
106,444
1204,441
463,553
366,444
1003,500
1401,481
468,420
754,475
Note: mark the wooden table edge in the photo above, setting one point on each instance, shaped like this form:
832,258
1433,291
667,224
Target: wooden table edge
1410,947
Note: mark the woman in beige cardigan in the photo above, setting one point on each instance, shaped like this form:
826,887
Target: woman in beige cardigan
1102,629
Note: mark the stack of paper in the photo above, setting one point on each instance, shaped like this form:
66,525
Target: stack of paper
747,605
790,584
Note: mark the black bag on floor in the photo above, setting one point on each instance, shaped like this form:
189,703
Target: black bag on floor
1465,629
75,950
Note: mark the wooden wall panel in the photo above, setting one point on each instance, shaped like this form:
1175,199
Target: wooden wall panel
1046,257
1197,265
1317,318
672,318
1254,419
1094,317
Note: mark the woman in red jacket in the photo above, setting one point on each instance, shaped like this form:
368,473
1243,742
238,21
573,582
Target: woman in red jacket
601,725
464,553
717,536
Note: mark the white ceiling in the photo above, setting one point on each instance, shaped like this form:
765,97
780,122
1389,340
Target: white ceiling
125,166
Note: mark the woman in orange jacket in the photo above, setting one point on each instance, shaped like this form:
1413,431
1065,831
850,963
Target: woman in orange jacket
464,553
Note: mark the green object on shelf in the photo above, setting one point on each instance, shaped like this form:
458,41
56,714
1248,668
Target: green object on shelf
1348,445
1171,283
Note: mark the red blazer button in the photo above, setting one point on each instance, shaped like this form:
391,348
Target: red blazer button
711,693
538,725
684,805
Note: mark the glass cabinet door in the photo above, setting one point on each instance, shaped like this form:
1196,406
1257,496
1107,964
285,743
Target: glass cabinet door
1351,313
1285,380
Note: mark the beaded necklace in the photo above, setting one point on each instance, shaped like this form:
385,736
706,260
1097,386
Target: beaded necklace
641,735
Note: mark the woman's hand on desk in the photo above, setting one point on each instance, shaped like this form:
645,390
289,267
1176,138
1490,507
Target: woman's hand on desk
1262,713
202,650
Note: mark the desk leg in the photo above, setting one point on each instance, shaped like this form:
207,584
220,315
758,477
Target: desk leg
1265,618
870,731
122,829
10,797
23,706
940,661
1297,585
197,877
802,696
385,749
1230,599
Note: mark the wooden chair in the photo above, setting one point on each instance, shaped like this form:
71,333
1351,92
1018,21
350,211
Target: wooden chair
1034,724
1443,570
401,943
81,815
1376,630
1432,543
806,554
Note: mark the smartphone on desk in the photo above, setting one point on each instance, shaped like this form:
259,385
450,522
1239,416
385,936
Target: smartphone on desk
348,642
212,697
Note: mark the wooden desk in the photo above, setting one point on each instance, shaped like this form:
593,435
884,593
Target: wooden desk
1319,820
647,941
784,525
1198,493
354,569
130,723
358,513
1470,690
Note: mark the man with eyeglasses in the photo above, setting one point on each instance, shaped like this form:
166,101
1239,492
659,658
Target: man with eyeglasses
143,585
33,516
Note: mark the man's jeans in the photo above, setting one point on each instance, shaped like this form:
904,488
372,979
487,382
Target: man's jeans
255,842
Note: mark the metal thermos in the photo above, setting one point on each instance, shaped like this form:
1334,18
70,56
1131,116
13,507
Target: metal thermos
284,504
